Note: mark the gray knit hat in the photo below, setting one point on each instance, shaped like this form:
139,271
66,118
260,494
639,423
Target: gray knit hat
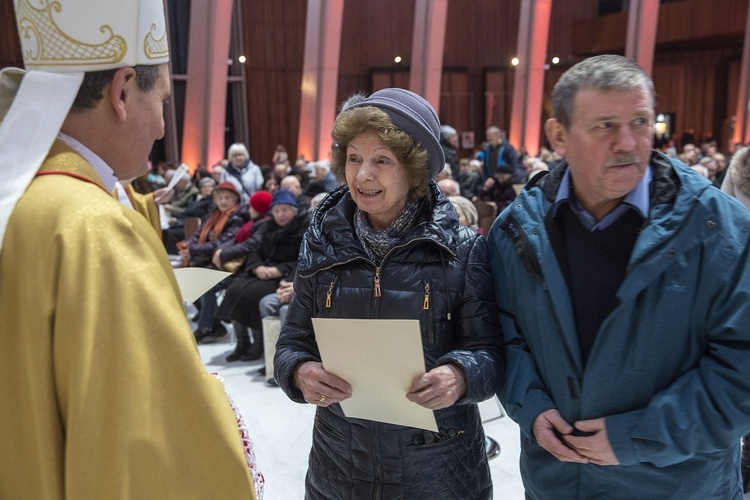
414,115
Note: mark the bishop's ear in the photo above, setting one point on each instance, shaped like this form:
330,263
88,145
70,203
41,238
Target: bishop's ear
121,90
556,135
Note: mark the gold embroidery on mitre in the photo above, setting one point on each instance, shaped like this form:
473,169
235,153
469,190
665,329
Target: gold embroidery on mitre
153,47
44,43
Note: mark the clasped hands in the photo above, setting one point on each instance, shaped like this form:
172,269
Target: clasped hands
439,388
555,435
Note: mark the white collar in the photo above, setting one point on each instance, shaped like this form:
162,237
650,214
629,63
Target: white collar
104,171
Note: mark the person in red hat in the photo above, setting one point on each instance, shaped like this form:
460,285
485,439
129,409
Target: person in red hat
219,227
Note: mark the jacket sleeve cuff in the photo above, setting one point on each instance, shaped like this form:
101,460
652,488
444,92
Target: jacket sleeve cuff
480,373
619,432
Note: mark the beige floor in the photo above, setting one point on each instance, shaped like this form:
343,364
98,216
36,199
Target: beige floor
281,429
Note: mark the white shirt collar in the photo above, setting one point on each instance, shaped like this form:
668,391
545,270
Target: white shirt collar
104,171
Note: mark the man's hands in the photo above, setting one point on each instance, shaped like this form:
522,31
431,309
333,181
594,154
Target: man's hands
555,435
596,446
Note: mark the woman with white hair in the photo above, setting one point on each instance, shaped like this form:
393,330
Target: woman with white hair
242,172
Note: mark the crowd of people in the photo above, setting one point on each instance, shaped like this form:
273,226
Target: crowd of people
607,307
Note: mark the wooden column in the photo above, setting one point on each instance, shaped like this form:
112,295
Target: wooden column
426,73
320,78
741,133
528,86
206,88
643,17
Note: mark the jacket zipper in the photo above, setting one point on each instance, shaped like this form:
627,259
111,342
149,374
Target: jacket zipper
426,307
330,292
376,292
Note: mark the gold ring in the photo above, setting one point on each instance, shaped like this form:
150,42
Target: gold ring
322,398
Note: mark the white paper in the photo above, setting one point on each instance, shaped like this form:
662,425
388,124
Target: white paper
179,173
379,358
195,281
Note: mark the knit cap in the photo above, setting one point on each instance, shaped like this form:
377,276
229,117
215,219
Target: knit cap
284,196
261,201
414,115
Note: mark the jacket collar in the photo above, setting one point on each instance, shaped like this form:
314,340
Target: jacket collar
331,238
664,185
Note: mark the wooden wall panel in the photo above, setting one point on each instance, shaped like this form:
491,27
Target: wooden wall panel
274,39
696,66
10,47
689,24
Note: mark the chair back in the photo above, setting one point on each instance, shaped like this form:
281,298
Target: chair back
487,212
191,224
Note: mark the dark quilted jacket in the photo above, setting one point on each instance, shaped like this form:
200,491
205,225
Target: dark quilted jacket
440,260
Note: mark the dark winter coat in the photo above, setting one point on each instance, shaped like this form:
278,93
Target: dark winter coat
201,252
270,245
438,265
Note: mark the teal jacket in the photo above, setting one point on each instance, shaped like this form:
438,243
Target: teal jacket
670,366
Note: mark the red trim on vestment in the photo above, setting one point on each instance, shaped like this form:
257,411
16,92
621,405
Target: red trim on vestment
71,174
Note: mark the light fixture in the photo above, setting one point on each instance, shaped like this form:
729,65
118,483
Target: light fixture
397,59
514,61
555,60
242,59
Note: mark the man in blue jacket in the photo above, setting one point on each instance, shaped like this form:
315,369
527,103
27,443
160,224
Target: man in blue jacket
624,288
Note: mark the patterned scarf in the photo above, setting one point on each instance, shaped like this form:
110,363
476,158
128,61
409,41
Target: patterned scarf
377,242
214,225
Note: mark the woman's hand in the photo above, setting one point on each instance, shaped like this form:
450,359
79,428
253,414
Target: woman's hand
184,253
439,388
320,387
215,260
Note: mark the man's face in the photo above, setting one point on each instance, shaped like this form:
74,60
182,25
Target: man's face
144,125
608,144
292,184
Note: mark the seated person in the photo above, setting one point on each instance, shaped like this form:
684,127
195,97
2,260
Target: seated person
467,212
221,226
273,257
233,254
322,179
499,187
200,207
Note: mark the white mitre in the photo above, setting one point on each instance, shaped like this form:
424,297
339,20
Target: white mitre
60,41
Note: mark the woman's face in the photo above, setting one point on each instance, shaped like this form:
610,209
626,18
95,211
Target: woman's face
377,180
238,159
271,185
283,214
224,199
207,189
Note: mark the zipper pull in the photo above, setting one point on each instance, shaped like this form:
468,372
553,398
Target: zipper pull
330,291
377,282
426,303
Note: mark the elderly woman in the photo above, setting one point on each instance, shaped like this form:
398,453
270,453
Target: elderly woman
218,228
246,176
389,245
467,212
273,250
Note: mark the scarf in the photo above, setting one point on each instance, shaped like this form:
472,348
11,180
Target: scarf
377,242
215,223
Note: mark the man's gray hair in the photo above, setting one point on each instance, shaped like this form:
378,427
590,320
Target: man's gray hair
604,72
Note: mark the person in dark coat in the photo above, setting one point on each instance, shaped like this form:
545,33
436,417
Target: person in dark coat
219,227
273,256
388,245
